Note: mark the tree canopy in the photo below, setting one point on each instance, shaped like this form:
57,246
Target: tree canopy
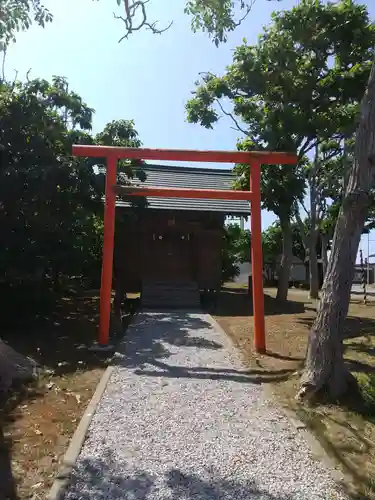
216,17
51,202
18,15
296,89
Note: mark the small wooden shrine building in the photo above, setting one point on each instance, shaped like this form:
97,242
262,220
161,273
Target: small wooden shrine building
173,242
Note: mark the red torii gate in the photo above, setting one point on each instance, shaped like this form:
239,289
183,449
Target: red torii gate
254,158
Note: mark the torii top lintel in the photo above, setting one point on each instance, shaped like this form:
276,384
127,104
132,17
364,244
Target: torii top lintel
260,157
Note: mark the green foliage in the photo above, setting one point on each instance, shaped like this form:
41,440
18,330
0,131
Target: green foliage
281,185
51,203
45,194
298,88
217,17
366,383
285,90
18,15
236,249
121,133
240,242
272,241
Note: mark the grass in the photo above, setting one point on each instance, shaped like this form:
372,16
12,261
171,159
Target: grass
347,433
38,421
366,382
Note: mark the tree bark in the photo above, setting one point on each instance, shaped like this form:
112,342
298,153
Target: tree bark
313,258
286,259
13,367
325,368
324,239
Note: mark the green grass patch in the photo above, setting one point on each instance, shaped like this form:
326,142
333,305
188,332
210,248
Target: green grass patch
366,383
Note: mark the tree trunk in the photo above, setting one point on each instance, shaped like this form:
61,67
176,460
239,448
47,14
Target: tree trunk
313,264
313,258
325,368
324,238
286,259
14,367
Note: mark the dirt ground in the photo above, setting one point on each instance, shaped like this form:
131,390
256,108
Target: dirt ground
347,434
37,423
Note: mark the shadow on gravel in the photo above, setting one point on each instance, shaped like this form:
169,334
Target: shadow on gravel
150,337
102,479
145,349
207,373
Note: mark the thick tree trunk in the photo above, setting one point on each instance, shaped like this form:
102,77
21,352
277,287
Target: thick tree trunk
325,368
286,260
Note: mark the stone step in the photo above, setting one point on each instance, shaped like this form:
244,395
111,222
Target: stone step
163,294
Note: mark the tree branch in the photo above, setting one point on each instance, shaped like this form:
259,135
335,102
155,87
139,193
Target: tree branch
305,209
3,64
230,115
131,10
248,9
301,227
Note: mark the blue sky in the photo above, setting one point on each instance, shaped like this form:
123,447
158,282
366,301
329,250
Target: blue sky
147,78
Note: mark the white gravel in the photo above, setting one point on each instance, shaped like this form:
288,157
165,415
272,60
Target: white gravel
182,419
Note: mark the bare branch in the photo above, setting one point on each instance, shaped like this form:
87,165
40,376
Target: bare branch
230,115
305,209
322,210
301,227
131,11
3,64
248,9
15,79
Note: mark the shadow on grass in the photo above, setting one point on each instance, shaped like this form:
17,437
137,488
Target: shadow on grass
237,302
354,326
7,483
109,478
363,348
282,357
59,341
348,446
19,395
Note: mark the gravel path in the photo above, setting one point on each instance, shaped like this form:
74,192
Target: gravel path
182,419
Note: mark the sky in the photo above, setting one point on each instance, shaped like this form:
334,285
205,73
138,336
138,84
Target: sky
147,78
